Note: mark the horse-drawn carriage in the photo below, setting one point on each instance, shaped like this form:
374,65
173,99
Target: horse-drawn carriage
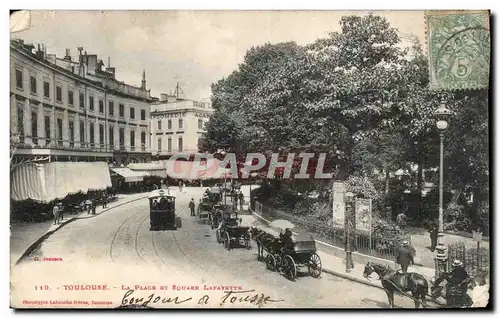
300,253
230,231
205,209
235,234
288,257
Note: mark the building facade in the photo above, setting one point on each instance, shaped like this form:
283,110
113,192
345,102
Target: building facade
176,125
64,109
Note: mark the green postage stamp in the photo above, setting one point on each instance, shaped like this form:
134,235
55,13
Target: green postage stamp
458,49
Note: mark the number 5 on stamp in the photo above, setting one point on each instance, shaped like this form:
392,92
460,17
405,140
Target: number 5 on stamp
458,49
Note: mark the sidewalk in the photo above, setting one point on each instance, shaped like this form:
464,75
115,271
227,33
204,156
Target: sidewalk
24,235
333,258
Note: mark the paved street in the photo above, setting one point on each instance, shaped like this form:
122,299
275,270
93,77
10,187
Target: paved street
117,248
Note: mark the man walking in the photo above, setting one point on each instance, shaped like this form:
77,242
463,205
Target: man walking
55,212
433,231
401,221
191,207
405,257
241,197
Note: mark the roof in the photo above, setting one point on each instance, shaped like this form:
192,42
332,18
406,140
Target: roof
160,193
130,175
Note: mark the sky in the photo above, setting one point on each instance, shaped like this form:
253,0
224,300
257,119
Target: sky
194,48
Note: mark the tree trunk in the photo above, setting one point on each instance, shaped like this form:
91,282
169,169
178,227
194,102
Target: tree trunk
387,192
420,187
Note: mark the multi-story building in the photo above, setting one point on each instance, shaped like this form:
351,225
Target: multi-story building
176,125
66,109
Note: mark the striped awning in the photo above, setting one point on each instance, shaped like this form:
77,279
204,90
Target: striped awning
55,180
130,175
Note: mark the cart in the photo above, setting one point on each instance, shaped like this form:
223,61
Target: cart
301,253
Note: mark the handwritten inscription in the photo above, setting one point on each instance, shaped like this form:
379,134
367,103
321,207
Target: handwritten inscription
229,297
151,299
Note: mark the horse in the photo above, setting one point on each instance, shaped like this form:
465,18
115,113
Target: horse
263,239
393,281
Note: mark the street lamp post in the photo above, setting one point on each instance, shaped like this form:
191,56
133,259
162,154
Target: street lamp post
441,258
349,208
441,113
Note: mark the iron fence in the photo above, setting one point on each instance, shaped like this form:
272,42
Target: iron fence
361,241
475,260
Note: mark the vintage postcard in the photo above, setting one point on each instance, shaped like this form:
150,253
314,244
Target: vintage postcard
249,159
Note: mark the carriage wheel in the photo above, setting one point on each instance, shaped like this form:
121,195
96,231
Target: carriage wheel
289,268
314,266
217,235
271,262
228,241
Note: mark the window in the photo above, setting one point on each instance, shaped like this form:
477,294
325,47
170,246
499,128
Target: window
101,134
34,127
132,113
47,127
169,124
20,119
91,103
180,123
180,143
200,123
169,144
159,144
121,110
91,131
143,140
33,84
122,137
70,97
101,106
159,124
132,138
59,94
71,125
19,79
111,107
60,131
111,136
46,89
82,132
82,100
143,114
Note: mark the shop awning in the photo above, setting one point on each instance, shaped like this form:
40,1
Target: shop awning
152,168
130,175
50,181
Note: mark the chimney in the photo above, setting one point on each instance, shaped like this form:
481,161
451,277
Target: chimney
68,55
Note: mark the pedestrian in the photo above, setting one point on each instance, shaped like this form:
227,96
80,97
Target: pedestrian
457,285
242,198
94,206
191,207
405,256
88,203
55,212
401,220
104,201
61,211
235,200
433,231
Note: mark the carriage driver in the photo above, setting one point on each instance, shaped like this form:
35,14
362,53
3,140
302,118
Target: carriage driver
286,240
458,279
